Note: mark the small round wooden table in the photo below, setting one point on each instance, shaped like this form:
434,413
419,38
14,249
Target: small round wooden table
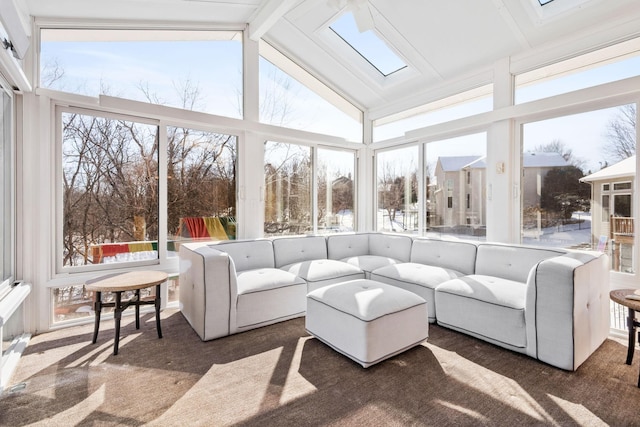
620,296
119,283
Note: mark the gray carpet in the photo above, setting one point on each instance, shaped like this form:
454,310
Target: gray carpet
279,376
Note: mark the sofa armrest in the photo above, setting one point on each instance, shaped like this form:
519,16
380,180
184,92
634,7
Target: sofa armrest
208,290
567,308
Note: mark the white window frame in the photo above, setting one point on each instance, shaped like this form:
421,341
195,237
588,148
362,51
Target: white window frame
9,189
59,111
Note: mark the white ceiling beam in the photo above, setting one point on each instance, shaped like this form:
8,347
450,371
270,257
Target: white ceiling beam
508,18
269,12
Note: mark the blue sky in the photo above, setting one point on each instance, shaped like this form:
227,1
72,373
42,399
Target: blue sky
367,44
215,67
164,65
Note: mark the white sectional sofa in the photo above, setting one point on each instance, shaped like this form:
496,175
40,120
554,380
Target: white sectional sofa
550,304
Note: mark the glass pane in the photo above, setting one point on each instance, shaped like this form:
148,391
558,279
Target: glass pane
621,225
455,175
622,186
605,206
566,161
293,100
397,176
367,43
201,186
335,191
622,205
287,170
110,190
73,302
6,192
461,105
193,70
606,65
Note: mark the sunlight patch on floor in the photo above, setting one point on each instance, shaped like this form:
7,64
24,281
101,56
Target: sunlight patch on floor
77,413
466,411
486,383
577,409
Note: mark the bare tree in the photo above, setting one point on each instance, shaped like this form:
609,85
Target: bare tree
621,135
390,191
111,172
287,188
51,73
109,179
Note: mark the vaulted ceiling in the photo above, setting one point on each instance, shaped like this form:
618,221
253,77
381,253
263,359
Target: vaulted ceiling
448,45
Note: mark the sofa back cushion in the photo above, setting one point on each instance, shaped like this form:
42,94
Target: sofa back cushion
390,246
297,249
340,246
458,256
510,261
249,254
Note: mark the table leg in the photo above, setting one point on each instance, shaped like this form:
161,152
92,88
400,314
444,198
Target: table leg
158,311
97,307
118,316
631,325
137,308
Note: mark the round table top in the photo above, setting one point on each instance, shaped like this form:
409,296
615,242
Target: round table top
619,295
126,281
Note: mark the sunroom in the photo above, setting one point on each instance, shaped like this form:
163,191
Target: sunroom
132,127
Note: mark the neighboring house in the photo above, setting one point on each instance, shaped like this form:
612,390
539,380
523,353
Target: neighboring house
611,194
459,191
460,186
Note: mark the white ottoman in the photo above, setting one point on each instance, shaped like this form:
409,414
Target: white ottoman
366,320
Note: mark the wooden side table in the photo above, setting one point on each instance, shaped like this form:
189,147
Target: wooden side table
122,282
619,296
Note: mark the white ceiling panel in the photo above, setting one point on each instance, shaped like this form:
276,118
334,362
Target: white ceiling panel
453,35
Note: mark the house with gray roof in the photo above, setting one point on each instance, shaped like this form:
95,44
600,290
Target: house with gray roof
612,209
457,196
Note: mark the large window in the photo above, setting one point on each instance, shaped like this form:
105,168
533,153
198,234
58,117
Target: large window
6,192
201,186
606,65
455,174
193,70
464,104
291,97
112,198
288,183
335,177
576,189
109,190
397,190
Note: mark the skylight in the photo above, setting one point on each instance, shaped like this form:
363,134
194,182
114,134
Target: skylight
371,47
543,2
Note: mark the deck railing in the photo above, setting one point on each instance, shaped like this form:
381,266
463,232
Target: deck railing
621,232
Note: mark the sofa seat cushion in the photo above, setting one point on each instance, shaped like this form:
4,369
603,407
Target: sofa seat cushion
418,278
322,272
368,263
268,294
265,279
486,306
